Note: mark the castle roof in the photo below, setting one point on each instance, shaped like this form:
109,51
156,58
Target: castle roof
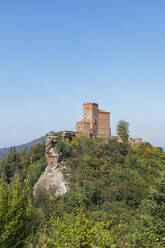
103,111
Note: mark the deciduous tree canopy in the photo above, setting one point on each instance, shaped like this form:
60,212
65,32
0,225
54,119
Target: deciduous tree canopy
123,130
115,197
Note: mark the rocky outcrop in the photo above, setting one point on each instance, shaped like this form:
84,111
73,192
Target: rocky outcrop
53,176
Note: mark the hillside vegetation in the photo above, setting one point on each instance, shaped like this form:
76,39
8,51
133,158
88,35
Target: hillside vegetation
5,151
116,197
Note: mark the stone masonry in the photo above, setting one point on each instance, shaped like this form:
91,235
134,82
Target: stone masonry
96,122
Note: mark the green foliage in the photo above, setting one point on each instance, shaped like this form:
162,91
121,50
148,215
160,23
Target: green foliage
80,232
116,197
150,231
123,130
17,163
64,147
19,172
16,213
32,173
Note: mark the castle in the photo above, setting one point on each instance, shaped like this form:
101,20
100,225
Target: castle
96,122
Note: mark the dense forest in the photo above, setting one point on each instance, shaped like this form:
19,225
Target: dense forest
116,197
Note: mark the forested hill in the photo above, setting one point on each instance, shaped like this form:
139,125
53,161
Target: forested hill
115,197
4,151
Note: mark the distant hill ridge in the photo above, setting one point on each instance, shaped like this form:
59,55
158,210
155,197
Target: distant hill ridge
4,151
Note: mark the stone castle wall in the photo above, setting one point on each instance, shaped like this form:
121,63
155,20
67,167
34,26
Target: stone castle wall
91,116
96,123
104,123
83,127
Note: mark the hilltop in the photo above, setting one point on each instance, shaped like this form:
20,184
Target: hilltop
110,194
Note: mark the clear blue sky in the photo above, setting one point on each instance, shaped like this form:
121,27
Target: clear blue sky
57,54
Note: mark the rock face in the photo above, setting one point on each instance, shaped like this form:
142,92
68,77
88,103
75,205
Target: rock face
53,176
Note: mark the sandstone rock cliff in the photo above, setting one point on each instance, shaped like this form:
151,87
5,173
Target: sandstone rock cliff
53,176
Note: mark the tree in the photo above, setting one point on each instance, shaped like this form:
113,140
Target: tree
151,229
80,232
16,213
123,130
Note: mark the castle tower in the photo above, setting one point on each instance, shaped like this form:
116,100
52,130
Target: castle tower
95,123
104,123
91,116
